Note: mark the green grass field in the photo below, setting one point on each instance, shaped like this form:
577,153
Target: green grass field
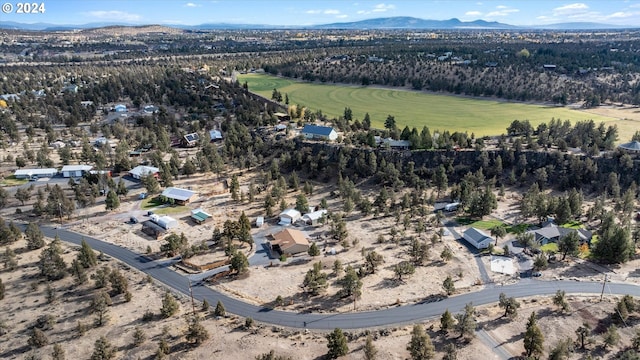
480,224
157,206
12,181
412,108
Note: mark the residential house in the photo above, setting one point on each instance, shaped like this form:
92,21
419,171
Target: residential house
152,229
35,173
7,97
316,132
71,88
259,221
391,143
190,140
150,109
289,242
478,238
57,144
120,108
73,171
141,171
179,196
282,116
396,144
289,216
215,135
631,147
553,233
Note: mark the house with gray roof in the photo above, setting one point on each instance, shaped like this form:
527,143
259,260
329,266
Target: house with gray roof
316,132
632,147
553,233
178,195
478,238
141,171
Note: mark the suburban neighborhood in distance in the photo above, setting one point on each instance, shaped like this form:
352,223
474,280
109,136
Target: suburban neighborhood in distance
320,180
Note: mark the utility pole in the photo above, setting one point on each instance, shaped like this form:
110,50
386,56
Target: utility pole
193,303
603,284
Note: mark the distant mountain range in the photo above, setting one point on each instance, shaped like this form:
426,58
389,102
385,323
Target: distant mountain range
400,22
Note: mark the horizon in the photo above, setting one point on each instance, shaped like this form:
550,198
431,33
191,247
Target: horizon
289,13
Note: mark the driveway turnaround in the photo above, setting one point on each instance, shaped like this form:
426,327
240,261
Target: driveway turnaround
405,314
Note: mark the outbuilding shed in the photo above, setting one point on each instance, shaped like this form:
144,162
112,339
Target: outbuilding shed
200,216
289,216
73,171
478,238
141,171
314,217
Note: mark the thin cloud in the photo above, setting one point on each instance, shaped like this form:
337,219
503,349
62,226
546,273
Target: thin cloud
313,12
342,16
571,9
473,13
383,7
621,15
502,12
501,7
114,15
331,12
192,5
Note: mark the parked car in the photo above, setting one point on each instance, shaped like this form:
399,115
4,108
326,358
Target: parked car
536,274
133,220
149,213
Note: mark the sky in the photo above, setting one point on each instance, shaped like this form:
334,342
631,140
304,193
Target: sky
311,12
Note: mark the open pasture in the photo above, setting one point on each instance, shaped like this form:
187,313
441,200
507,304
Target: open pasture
413,108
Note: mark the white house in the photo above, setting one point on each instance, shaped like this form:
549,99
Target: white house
311,131
289,216
120,108
313,218
35,173
259,221
141,171
73,171
478,238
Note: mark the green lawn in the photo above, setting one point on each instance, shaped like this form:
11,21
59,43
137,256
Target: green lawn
479,224
573,225
12,181
150,203
413,108
158,207
550,247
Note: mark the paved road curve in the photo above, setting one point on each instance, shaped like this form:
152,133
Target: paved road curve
396,315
